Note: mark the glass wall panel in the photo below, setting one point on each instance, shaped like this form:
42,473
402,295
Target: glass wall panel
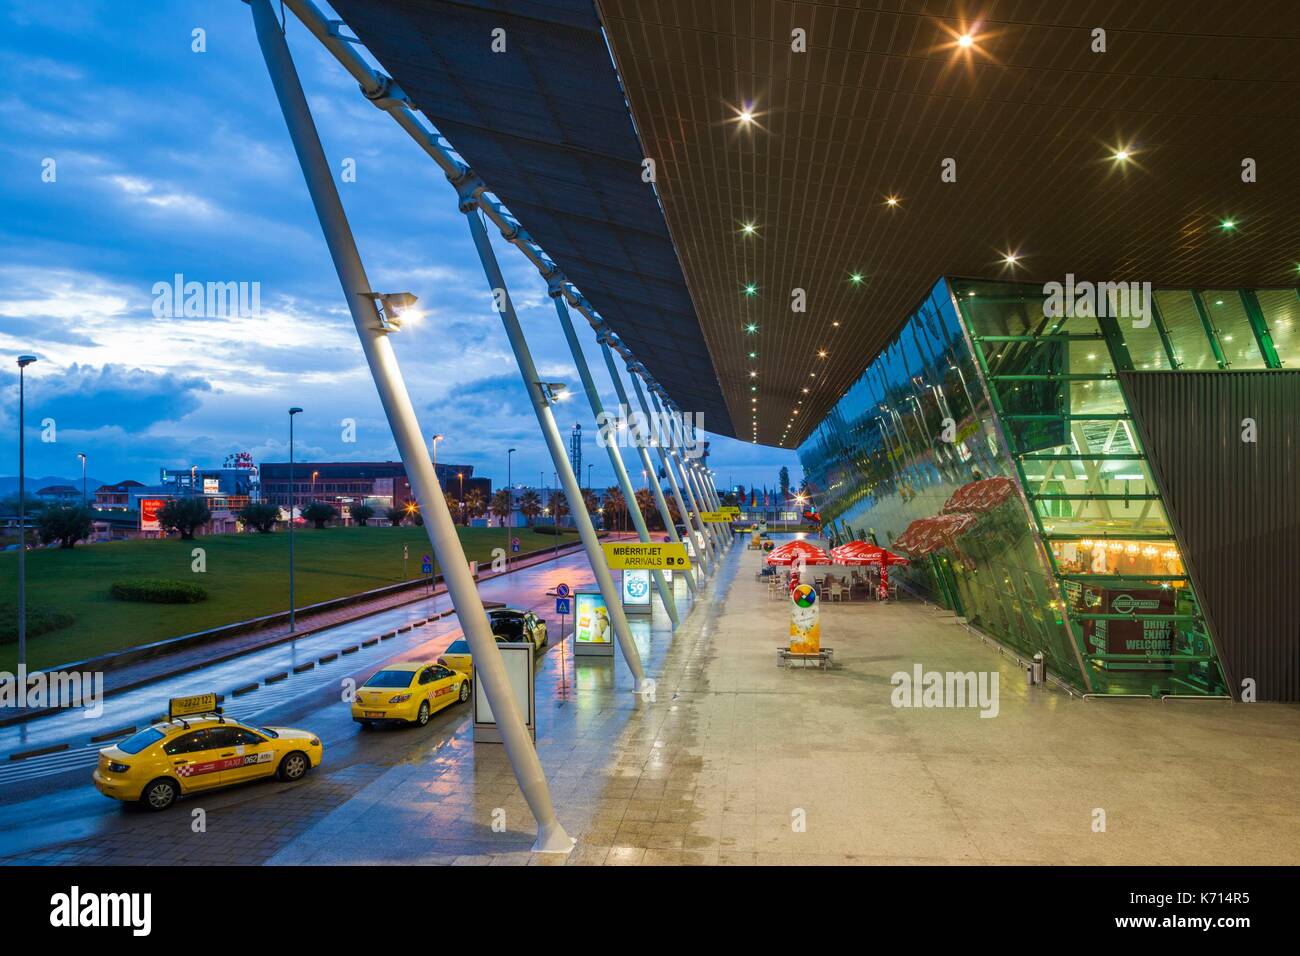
1236,338
1192,348
1281,309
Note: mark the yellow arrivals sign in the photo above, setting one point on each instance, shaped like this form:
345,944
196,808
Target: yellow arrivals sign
187,706
715,517
635,555
729,510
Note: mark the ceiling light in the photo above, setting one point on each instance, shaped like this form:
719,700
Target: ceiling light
751,289
753,375
891,201
746,117
1227,225
856,278
1011,258
747,228
821,353
805,391
1121,155
965,41
751,328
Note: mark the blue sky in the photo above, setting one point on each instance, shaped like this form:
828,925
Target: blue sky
170,161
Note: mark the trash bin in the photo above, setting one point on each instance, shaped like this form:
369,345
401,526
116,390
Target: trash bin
1038,669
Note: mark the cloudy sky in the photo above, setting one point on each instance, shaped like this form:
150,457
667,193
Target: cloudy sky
167,161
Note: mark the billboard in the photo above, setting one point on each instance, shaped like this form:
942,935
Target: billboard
592,633
149,513
212,486
636,592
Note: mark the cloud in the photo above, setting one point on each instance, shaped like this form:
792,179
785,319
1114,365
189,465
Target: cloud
87,398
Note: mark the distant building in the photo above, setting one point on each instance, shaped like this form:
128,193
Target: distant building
380,484
116,497
59,494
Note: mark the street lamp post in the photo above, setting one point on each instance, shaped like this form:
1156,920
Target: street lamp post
293,500
82,456
23,362
510,504
434,443
460,505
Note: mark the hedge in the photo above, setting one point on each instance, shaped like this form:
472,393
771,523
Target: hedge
157,591
40,620
551,529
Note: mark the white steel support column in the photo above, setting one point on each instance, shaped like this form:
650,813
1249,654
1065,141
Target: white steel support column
688,464
678,454
698,568
468,189
611,446
663,457
691,476
488,664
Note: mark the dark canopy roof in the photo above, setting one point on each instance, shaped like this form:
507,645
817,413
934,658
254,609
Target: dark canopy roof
547,128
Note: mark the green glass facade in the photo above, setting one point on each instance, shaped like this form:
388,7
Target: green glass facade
998,379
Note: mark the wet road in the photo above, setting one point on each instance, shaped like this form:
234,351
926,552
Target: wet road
49,799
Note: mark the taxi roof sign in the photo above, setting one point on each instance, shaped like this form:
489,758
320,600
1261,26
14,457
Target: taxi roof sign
189,706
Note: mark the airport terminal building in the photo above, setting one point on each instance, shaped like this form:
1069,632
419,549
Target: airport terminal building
1114,487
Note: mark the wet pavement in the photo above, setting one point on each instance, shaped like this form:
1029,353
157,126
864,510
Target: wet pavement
739,761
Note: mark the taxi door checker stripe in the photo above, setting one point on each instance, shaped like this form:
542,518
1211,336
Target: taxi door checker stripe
611,446
607,339
551,836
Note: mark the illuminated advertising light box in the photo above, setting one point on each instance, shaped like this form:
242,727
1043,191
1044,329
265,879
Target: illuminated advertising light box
518,659
636,592
149,513
593,634
212,486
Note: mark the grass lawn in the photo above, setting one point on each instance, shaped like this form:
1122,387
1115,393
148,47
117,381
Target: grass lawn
247,576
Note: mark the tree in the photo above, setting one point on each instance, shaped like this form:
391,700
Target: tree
615,507
185,515
453,506
589,501
362,513
260,516
645,500
530,504
741,496
502,505
784,479
319,512
395,516
475,504
66,524
558,505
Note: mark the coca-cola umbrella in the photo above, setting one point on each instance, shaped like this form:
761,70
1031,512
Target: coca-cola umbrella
980,496
796,552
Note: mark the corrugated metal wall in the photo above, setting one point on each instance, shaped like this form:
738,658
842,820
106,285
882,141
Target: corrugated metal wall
1235,506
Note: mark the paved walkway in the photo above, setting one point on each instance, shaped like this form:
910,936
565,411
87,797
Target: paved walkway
739,761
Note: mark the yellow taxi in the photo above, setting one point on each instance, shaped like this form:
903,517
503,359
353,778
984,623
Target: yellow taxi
186,754
409,693
509,625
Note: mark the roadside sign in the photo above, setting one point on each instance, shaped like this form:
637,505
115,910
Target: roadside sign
514,545
196,704
729,509
562,590
625,555
715,517
563,606
426,564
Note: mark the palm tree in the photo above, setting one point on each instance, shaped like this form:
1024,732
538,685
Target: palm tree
645,500
559,505
530,505
615,508
589,501
475,504
452,505
502,505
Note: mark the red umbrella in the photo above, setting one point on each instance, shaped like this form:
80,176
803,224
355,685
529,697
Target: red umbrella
980,496
793,552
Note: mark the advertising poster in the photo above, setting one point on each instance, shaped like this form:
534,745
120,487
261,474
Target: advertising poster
636,588
149,513
592,633
212,486
805,623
